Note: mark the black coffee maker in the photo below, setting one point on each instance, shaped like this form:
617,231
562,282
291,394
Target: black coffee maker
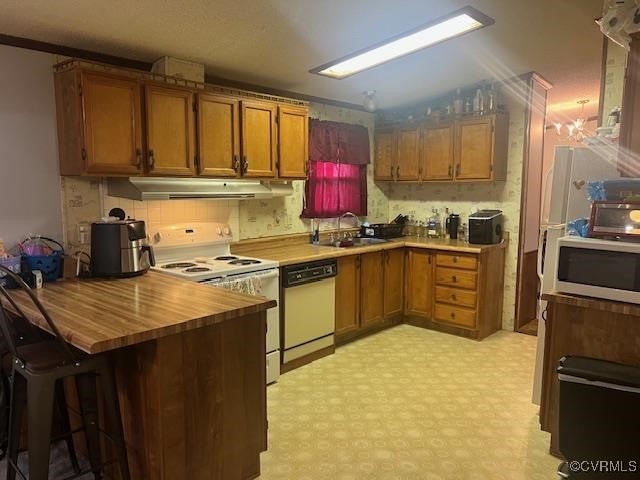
119,249
451,225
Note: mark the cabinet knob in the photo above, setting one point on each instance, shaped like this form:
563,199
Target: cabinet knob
152,159
453,315
397,172
454,279
455,259
457,169
244,165
453,297
235,163
450,171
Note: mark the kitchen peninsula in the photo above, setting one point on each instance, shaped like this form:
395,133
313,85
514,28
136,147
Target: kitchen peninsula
190,366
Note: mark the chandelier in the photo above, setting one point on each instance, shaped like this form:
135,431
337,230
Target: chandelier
575,129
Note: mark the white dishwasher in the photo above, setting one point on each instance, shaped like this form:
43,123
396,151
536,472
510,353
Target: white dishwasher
309,308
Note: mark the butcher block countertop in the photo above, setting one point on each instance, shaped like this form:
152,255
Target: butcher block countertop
290,251
97,315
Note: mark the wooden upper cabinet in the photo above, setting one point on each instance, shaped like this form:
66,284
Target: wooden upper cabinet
385,155
293,141
371,289
437,152
170,135
474,144
218,135
99,124
420,285
348,295
393,282
408,153
258,138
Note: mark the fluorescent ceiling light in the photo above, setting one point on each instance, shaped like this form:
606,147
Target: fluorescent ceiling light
457,23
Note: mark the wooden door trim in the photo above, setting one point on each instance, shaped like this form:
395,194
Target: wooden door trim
187,94
273,108
201,98
136,86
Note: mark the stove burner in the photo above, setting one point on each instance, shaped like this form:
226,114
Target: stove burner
197,269
179,265
226,257
244,261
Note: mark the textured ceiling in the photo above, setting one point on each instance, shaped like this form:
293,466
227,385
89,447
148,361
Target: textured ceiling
275,42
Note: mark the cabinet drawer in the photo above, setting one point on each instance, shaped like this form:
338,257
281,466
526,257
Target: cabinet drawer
457,261
463,317
454,277
456,296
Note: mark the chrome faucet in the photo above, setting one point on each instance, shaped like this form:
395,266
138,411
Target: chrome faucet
347,214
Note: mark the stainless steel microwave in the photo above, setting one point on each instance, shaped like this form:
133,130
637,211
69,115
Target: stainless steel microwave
599,268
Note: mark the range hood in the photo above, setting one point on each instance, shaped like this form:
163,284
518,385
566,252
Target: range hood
156,188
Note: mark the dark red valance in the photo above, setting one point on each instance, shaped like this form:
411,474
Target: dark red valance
338,142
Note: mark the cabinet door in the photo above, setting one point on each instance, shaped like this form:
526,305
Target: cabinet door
419,286
258,139
437,152
408,154
112,132
393,282
293,141
385,155
170,138
347,295
371,289
474,149
218,136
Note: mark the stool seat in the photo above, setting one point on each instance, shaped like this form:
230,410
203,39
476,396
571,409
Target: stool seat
42,356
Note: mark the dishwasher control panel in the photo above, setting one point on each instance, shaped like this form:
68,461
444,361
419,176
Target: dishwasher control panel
308,272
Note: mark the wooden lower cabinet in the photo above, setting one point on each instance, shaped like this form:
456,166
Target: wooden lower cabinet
419,283
459,293
348,296
447,290
369,292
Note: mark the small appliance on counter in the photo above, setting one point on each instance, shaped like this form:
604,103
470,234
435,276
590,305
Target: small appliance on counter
615,219
119,249
485,227
451,225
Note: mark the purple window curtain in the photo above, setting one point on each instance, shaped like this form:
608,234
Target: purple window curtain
338,158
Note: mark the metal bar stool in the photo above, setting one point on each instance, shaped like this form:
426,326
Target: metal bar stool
23,334
37,369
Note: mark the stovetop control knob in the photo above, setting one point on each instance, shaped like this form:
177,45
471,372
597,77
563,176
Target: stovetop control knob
157,237
227,231
219,232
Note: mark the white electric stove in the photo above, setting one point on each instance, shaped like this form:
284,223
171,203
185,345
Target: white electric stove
200,252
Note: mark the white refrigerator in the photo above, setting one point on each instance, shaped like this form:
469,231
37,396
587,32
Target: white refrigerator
564,198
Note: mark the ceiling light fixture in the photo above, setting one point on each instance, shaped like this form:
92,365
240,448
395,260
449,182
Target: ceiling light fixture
370,102
576,128
457,23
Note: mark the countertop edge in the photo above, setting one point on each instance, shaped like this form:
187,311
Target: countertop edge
600,304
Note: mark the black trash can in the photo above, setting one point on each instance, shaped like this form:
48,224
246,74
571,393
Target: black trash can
599,419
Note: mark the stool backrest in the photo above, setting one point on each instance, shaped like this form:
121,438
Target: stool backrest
9,332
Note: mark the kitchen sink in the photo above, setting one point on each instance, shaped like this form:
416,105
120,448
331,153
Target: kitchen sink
355,242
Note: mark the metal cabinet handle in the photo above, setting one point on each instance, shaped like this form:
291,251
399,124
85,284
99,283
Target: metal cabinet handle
152,159
455,259
391,171
397,172
454,279
244,166
138,157
453,297
457,169
450,171
235,163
